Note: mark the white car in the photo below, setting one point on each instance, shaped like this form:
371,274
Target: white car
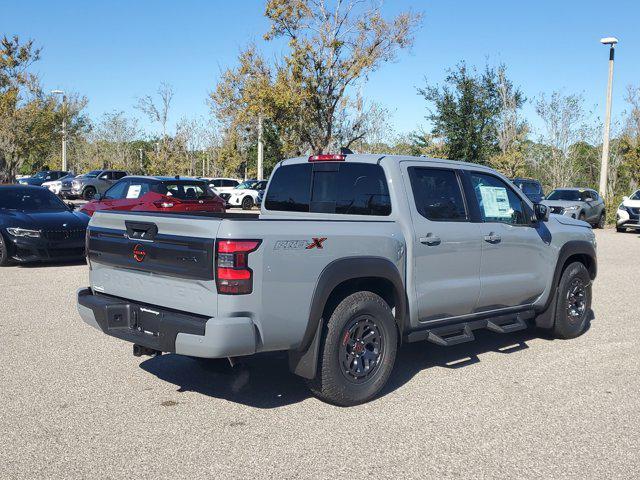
628,214
55,186
245,194
223,185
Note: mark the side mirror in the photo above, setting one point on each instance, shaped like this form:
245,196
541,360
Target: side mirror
541,211
588,199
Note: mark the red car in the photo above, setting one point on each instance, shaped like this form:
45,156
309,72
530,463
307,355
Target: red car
157,194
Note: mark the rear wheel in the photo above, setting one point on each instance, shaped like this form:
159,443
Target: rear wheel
5,259
247,203
574,302
88,193
358,352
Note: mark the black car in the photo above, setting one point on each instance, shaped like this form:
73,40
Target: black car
45,176
35,225
531,188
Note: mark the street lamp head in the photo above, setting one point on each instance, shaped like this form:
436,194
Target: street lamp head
609,41
57,92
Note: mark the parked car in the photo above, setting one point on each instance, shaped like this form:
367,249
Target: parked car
531,188
157,194
245,194
95,182
45,176
35,225
223,185
628,214
382,250
55,186
581,203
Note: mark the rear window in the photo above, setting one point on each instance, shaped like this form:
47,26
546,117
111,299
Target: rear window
184,190
530,187
330,187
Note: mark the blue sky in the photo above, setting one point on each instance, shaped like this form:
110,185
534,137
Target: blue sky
114,52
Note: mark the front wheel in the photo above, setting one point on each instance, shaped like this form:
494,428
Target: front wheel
358,352
247,203
89,193
5,259
574,302
621,229
601,220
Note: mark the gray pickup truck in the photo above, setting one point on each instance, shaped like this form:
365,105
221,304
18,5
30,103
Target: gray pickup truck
351,256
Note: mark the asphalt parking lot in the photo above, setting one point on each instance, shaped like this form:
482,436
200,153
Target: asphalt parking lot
75,403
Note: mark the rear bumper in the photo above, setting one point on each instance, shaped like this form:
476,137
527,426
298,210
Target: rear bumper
167,330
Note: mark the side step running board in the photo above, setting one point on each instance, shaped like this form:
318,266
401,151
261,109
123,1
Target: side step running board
448,338
512,325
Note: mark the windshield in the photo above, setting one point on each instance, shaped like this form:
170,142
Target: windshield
30,200
570,195
40,175
248,185
635,196
92,173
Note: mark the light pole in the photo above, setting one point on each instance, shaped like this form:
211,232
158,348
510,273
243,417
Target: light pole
604,166
260,148
64,127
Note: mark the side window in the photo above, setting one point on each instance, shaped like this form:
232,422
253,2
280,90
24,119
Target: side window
117,191
229,183
105,176
290,189
135,188
216,183
497,201
437,194
119,175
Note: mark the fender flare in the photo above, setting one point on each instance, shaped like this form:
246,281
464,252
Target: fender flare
547,313
303,361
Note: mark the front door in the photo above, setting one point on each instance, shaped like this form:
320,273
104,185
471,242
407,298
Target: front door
446,245
515,252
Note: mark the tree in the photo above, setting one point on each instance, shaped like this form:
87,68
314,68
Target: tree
114,135
564,121
30,120
306,93
471,109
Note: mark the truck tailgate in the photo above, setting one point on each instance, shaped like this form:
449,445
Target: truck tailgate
158,259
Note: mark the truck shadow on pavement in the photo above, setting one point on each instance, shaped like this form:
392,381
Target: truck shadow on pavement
264,380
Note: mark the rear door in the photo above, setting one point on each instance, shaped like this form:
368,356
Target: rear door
446,244
163,260
515,253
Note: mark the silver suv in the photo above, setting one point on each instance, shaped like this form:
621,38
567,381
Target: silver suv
88,185
581,203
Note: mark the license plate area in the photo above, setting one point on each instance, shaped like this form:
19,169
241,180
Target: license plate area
133,317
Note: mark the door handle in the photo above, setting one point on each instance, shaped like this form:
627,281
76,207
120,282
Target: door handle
430,240
492,238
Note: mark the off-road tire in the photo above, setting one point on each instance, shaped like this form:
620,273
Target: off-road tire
5,259
333,383
566,326
88,193
247,203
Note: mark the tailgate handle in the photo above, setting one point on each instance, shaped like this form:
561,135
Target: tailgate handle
144,231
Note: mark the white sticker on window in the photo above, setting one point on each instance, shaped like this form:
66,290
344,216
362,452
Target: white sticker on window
495,202
134,191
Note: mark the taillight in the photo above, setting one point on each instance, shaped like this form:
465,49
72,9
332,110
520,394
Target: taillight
328,158
233,275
